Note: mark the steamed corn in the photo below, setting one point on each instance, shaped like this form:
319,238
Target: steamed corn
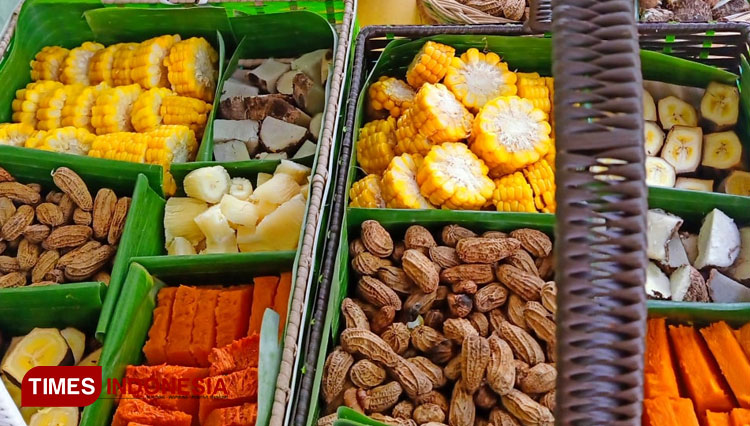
68,140
76,66
476,78
366,193
79,102
375,148
430,64
122,64
390,94
112,111
15,134
513,194
27,100
399,184
192,68
48,63
146,112
147,63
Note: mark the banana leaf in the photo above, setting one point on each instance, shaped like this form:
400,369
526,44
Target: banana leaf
736,314
133,316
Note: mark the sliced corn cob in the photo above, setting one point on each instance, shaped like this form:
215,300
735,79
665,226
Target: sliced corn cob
377,140
408,138
551,155
100,65
536,89
430,64
366,193
476,78
509,134
147,64
27,100
185,111
122,146
452,177
170,144
122,64
146,113
70,140
513,194
193,68
15,134
76,67
392,95
35,139
399,184
48,63
439,115
112,110
78,104
50,108
541,177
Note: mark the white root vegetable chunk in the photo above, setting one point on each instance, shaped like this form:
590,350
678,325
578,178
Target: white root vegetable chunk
311,63
241,188
226,152
726,290
180,247
298,171
277,231
207,184
688,285
315,124
179,213
661,226
718,241
236,130
267,74
277,190
233,87
285,83
740,270
279,136
676,255
309,95
239,212
272,156
690,242
263,178
657,282
220,237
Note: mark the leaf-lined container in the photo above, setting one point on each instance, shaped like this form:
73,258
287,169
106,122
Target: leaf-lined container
133,317
141,237
68,25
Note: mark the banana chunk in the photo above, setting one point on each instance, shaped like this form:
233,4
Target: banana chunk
722,150
693,184
653,137
659,172
737,183
683,148
649,106
721,105
673,111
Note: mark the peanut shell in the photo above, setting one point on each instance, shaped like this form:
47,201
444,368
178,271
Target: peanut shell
423,273
7,209
19,193
515,310
549,296
460,305
27,255
500,417
540,321
485,250
373,291
367,263
525,409
535,242
81,217
8,264
397,336
68,257
369,345
479,273
434,397
104,209
380,398
452,234
403,410
430,369
376,239
475,355
354,316
5,176
16,224
419,303
366,374
522,260
546,267
13,279
425,338
457,329
334,373
356,247
44,265
412,379
36,233
86,265
67,207
524,346
427,413
501,371
119,216
462,409
67,236
467,287
49,214
395,278
485,398
71,184
382,319
419,238
490,297
522,283
444,256
539,379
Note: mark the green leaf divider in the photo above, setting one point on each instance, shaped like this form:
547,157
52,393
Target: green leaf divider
662,67
292,34
736,314
133,315
354,417
268,364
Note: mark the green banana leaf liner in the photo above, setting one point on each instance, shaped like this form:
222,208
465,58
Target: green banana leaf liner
141,236
268,36
133,318
736,314
43,24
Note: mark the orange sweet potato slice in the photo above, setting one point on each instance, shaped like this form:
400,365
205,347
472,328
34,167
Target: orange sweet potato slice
740,417
658,412
699,372
232,313
732,361
178,338
281,300
204,327
238,355
155,348
263,296
684,411
239,415
139,411
717,419
660,378
168,377
743,337
232,389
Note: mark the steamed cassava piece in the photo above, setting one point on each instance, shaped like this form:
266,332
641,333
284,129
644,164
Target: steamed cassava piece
450,328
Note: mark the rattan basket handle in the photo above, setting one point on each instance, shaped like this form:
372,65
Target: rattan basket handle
601,214
540,15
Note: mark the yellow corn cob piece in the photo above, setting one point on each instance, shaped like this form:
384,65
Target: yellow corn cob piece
452,177
476,78
185,111
49,112
27,100
392,95
48,63
147,64
193,68
35,139
70,140
100,65
430,64
170,144
408,138
169,184
377,140
146,114
542,180
399,184
76,67
15,134
366,193
551,155
112,110
509,134
439,115
538,95
513,194
78,104
122,64
122,146
527,76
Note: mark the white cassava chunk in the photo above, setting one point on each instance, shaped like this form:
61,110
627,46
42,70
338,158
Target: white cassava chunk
179,213
207,184
279,136
718,241
726,290
263,178
277,231
241,188
688,285
315,124
239,212
226,152
266,75
220,237
245,131
676,255
280,188
740,270
660,228
657,283
311,63
233,87
307,149
272,156
690,242
309,95
298,171
180,247
285,84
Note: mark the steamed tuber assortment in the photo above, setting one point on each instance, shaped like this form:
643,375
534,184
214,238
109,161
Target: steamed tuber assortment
272,108
46,347
710,265
692,10
221,214
695,149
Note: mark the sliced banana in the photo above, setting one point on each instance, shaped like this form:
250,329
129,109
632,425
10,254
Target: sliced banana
683,148
722,150
659,172
673,111
653,137
91,359
649,106
692,184
43,346
55,416
76,340
737,183
721,105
